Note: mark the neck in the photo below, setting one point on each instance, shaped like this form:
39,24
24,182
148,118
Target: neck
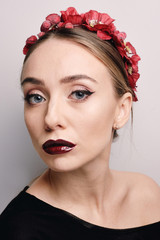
89,183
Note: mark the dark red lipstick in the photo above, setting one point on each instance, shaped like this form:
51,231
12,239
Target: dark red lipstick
58,146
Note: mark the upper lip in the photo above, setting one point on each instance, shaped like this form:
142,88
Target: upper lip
58,142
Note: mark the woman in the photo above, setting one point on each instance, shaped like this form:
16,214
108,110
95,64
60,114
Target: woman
79,81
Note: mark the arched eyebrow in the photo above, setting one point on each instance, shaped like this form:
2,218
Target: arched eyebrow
73,78
67,79
32,80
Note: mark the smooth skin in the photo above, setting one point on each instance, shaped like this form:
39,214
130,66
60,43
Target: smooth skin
69,95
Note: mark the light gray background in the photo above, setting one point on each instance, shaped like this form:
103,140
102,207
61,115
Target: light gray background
137,149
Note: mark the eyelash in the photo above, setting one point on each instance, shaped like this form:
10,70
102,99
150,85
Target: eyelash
86,92
29,96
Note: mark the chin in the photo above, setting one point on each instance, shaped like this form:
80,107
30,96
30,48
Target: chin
62,163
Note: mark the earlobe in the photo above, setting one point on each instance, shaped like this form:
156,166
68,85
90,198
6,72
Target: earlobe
123,110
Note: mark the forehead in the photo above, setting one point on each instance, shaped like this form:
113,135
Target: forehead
59,58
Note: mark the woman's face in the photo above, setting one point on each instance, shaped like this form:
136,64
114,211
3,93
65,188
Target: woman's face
69,95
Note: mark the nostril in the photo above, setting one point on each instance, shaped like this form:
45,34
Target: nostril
52,128
48,129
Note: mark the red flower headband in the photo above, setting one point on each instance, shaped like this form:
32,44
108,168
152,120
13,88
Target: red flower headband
102,24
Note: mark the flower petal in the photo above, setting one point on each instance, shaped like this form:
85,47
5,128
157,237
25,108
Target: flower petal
129,45
91,15
70,11
135,58
75,20
105,19
103,35
61,24
68,25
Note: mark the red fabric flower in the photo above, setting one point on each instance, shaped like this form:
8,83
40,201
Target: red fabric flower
101,23
130,48
71,16
93,18
45,26
69,12
53,18
25,50
31,40
41,34
119,36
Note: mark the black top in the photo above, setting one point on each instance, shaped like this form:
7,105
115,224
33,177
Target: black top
28,218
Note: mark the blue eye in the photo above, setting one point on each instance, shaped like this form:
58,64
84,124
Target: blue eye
34,98
81,94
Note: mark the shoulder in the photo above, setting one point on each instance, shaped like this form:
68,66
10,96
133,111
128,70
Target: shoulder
144,188
139,184
143,194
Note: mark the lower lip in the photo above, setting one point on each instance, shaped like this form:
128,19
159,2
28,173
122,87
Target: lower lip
58,150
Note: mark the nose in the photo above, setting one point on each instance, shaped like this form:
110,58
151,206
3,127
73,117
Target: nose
54,117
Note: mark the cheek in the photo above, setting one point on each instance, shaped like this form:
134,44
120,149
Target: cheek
33,121
95,131
97,122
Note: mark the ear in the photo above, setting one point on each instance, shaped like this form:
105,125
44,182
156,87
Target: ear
123,110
